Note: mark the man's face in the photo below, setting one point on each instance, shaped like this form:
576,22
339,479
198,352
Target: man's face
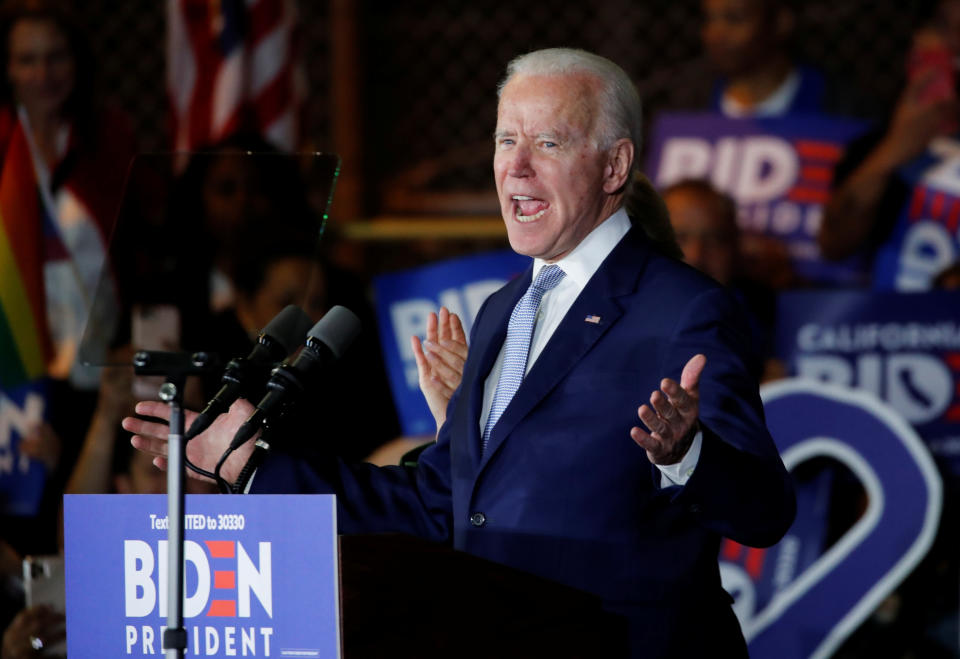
737,35
550,175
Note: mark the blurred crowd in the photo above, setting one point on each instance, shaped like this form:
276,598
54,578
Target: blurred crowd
205,252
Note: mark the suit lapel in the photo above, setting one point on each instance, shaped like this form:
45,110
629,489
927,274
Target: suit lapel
573,338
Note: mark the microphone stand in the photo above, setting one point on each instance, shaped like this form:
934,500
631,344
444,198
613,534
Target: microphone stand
175,366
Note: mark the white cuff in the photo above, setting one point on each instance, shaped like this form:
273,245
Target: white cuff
680,472
246,489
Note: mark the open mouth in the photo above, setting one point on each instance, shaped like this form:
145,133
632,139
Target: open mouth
528,209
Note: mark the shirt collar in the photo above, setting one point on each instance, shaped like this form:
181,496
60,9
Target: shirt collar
584,260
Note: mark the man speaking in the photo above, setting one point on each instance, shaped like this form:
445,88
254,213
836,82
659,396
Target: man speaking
540,464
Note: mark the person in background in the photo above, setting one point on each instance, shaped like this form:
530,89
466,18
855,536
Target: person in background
230,196
749,68
704,221
287,266
747,43
63,159
885,199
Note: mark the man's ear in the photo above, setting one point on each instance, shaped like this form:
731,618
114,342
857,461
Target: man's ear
619,160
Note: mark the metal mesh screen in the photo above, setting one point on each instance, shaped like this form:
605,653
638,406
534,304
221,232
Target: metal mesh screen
429,69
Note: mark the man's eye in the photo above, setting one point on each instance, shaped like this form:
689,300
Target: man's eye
506,141
549,145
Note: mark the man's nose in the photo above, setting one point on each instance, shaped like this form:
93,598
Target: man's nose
520,165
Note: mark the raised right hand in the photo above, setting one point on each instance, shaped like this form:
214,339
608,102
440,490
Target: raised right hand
204,450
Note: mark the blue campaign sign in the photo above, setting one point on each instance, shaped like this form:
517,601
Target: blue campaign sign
817,604
405,299
902,347
261,575
777,169
21,479
926,235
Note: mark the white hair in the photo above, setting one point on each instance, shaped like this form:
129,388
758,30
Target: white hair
619,102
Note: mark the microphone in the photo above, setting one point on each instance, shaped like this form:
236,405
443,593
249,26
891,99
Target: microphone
326,342
277,340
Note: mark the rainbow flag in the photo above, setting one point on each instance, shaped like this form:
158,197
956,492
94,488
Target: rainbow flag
27,239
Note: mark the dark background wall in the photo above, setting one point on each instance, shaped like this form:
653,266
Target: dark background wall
425,72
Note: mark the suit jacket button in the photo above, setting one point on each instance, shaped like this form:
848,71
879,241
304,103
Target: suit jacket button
694,508
478,519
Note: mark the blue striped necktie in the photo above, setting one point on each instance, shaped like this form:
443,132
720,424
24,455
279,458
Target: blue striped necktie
519,334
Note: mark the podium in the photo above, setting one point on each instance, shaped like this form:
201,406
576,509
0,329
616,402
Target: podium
267,575
406,597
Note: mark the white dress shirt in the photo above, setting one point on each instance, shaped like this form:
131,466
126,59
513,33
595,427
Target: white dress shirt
579,266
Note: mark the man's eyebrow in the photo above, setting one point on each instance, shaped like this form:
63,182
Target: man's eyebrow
545,135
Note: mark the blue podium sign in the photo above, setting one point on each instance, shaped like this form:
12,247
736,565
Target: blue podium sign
261,575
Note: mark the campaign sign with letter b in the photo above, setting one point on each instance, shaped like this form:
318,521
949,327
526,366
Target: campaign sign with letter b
260,577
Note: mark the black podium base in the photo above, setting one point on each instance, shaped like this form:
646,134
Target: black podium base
405,597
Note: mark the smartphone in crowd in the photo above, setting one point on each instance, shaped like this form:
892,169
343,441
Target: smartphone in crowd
43,583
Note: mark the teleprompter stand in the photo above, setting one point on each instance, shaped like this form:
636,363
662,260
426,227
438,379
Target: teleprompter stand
175,367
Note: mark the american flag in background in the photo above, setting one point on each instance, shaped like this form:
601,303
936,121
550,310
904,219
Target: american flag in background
231,65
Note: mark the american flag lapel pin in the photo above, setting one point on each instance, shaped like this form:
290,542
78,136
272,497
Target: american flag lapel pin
592,318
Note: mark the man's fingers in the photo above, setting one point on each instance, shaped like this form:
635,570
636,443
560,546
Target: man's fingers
690,377
431,327
443,323
681,401
456,347
145,428
418,355
456,330
442,369
652,420
151,445
647,442
445,353
663,407
153,408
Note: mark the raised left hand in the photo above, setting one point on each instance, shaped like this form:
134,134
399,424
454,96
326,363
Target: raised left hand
440,359
671,416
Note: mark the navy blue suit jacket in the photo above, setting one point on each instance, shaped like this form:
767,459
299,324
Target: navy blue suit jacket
562,490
